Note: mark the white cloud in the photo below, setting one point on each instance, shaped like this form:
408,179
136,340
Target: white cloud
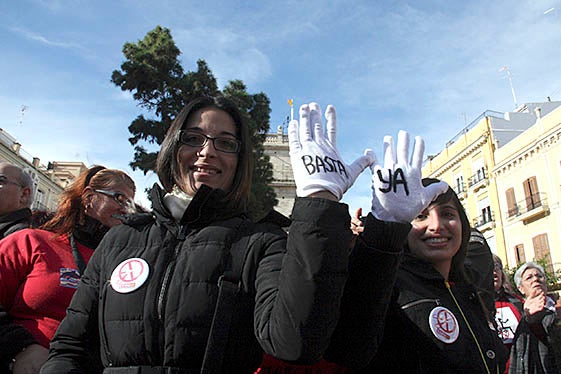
229,54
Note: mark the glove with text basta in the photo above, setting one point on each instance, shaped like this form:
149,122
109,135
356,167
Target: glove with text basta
316,163
397,192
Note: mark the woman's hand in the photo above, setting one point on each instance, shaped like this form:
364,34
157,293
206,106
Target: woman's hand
316,163
535,303
30,360
397,191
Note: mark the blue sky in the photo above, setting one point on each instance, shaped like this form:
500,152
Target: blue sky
429,67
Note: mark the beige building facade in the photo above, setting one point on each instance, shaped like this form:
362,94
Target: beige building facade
276,147
49,181
528,178
475,164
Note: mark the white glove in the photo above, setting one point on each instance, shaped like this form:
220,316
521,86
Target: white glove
316,163
397,192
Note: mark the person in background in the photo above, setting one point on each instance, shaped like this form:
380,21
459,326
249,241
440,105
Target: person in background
16,197
508,306
40,268
532,350
436,321
152,294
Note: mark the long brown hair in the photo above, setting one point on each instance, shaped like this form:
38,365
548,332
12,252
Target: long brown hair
70,211
168,168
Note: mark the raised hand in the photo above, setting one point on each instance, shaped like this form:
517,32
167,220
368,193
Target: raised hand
316,163
397,192
535,303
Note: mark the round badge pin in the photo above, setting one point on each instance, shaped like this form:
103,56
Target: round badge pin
129,275
444,324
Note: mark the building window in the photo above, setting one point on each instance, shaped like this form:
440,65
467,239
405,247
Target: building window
520,255
531,193
459,188
511,202
486,215
541,250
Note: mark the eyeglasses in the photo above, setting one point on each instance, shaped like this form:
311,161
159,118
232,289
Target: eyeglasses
4,181
119,197
195,139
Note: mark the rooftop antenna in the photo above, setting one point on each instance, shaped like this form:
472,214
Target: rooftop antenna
505,68
23,109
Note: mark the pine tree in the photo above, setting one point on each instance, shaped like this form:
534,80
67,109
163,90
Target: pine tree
153,74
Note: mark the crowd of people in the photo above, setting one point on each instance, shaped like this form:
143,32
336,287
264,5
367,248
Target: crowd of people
195,286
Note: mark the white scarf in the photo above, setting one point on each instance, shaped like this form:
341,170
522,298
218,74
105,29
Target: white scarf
177,202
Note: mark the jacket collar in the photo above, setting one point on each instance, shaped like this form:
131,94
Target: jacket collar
208,205
13,218
419,267
16,215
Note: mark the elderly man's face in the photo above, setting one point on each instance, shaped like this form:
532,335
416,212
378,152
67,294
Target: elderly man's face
12,195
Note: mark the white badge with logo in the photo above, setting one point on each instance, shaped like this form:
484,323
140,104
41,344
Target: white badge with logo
129,275
444,325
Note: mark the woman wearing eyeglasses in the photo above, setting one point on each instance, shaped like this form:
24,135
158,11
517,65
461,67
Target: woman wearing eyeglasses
155,293
533,349
40,268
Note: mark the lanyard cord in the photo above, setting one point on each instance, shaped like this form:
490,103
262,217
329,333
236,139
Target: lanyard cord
78,259
469,328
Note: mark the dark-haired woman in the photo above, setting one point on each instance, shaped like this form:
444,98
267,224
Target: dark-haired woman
40,268
150,291
436,322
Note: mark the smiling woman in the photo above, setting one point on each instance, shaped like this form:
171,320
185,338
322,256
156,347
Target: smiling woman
40,268
437,322
154,291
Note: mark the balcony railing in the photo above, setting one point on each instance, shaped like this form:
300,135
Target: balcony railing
532,206
484,221
479,176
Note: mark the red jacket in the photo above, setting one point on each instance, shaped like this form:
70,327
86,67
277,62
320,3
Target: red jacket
38,276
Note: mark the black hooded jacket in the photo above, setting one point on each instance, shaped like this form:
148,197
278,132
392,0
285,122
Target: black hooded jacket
435,326
286,285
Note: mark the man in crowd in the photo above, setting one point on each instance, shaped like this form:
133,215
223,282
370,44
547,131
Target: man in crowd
16,197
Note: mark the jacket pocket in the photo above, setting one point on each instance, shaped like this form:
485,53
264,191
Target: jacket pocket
418,302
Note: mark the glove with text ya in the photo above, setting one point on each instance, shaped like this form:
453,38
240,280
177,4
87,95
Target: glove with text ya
316,163
397,192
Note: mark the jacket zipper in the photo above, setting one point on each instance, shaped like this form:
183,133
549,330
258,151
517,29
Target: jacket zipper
479,348
160,307
103,330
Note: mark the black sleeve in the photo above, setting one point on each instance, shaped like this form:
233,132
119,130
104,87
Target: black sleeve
300,281
13,338
372,273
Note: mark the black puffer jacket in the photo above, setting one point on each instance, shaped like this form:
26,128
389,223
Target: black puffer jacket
422,337
291,289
